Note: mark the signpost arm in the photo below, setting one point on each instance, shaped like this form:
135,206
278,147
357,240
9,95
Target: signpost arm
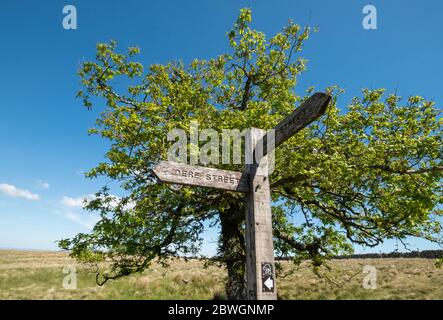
310,110
260,268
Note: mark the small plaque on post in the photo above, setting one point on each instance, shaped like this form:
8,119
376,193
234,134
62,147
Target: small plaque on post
267,276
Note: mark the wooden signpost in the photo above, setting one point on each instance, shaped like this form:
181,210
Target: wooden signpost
260,267
310,110
179,173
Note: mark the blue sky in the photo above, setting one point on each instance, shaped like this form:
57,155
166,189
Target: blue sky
43,128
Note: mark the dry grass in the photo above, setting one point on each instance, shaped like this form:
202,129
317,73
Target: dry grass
396,279
39,275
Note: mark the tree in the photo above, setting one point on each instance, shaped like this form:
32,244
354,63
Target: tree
359,177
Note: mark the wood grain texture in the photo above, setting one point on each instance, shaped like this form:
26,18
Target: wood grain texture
259,240
179,173
311,109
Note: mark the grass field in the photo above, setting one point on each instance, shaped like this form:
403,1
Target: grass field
39,275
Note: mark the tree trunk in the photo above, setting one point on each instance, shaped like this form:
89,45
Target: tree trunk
232,250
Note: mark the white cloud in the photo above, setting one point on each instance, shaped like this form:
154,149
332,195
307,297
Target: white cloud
43,184
86,221
77,202
15,192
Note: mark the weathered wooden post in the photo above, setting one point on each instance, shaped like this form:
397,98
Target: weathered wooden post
260,268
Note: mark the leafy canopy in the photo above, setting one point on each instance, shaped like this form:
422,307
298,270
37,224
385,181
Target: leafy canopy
369,173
